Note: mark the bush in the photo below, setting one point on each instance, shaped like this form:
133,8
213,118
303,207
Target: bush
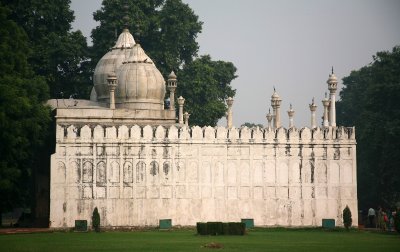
96,220
237,228
219,228
347,220
201,228
225,228
397,221
214,228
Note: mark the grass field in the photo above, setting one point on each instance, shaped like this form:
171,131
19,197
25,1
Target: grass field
187,240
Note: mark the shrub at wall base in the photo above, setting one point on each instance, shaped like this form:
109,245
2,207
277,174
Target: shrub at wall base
347,220
96,220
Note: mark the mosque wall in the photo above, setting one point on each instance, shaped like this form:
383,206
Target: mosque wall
139,175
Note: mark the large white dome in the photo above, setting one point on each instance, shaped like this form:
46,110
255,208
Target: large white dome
140,83
110,62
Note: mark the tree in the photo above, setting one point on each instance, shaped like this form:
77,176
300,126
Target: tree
369,101
397,221
57,54
96,220
205,84
347,220
166,29
23,117
252,125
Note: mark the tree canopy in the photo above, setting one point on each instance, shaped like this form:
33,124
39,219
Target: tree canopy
23,117
167,31
251,125
369,101
205,84
58,54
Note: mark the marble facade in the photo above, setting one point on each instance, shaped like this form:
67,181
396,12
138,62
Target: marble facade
138,175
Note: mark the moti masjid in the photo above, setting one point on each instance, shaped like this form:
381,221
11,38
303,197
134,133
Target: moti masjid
126,153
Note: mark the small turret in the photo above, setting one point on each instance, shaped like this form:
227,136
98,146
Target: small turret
332,86
171,84
229,120
313,108
269,119
291,114
181,101
112,84
276,104
325,103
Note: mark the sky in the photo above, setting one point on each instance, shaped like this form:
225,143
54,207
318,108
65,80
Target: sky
289,45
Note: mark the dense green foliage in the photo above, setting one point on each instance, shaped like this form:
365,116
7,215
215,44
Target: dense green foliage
167,31
42,57
397,221
251,125
96,220
57,53
23,117
186,240
347,220
369,100
47,59
205,84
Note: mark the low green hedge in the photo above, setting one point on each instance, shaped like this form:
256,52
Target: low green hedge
219,228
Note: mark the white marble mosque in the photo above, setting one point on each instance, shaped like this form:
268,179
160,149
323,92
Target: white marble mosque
125,153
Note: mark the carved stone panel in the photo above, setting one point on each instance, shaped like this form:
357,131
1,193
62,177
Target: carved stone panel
114,171
334,173
219,173
180,171
258,175
154,172
76,171
87,173
101,173
231,173
167,172
193,172
128,172
244,173
140,172
206,173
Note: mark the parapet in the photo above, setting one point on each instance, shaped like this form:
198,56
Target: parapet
136,133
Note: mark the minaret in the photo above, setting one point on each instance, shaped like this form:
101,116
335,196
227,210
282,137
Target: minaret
325,103
112,84
276,104
332,86
186,117
269,119
181,101
171,83
229,102
313,108
291,114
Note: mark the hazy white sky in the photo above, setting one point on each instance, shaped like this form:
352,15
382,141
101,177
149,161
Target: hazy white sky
287,44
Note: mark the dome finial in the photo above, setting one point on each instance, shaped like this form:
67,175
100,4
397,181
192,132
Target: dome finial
126,18
332,69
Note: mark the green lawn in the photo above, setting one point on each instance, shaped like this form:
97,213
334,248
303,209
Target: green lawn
186,240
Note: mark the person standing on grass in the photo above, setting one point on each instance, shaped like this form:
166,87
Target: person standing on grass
371,217
385,221
390,220
379,219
